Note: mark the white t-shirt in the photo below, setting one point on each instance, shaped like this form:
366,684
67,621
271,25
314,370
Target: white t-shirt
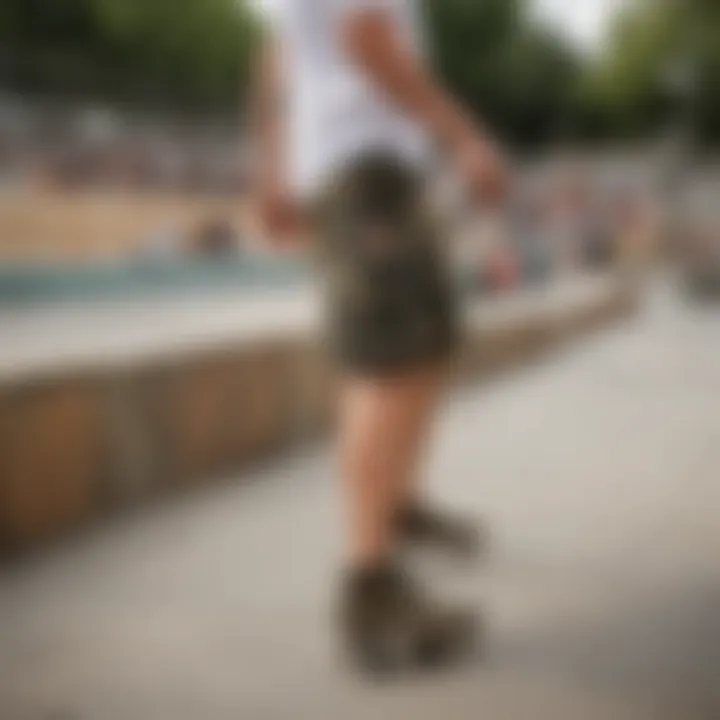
334,111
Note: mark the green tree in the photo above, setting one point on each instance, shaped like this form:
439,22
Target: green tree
663,60
519,78
180,51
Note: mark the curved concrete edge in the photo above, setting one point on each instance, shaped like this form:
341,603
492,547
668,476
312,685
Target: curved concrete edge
78,445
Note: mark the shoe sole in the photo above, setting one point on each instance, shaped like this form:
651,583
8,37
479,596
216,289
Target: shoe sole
400,656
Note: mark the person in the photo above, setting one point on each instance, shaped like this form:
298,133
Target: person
345,111
215,239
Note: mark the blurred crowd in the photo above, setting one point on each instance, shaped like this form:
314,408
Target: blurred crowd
562,222
568,215
94,147
216,238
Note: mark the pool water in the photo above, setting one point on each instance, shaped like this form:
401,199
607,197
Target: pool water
28,283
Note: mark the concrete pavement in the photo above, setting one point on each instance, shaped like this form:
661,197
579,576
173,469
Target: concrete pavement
598,471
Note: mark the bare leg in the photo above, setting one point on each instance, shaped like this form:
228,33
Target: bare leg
383,425
426,400
415,520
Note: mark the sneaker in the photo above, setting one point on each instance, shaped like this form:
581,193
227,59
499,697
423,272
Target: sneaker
388,625
419,525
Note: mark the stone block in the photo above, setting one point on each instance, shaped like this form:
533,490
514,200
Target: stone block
53,453
213,413
313,388
137,466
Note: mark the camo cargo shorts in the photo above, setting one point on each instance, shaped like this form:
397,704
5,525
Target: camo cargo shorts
389,297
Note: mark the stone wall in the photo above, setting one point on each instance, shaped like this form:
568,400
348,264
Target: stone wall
79,444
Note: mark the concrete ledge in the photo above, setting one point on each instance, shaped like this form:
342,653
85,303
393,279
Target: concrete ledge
98,432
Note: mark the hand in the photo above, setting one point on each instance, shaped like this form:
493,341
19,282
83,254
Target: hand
279,216
483,170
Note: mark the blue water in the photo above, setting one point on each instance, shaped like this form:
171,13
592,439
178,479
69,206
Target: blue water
30,283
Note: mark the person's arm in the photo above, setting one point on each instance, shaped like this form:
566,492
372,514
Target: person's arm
265,110
372,42
273,203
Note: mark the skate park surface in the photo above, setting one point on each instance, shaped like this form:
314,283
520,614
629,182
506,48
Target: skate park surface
597,471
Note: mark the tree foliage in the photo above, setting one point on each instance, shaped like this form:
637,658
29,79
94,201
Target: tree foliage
662,65
177,51
522,79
